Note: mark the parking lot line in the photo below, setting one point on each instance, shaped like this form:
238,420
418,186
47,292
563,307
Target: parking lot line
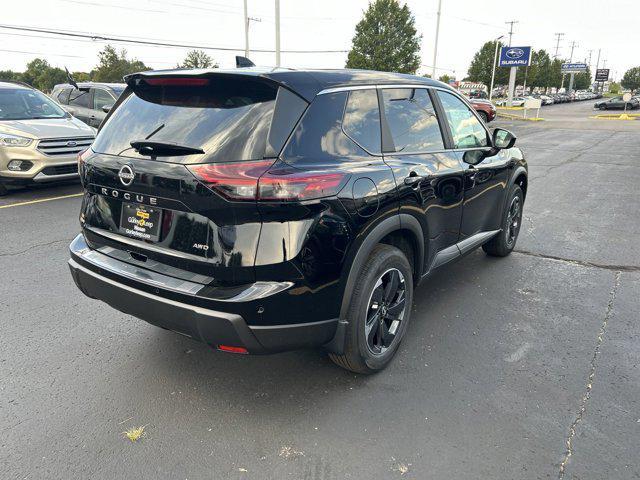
30,202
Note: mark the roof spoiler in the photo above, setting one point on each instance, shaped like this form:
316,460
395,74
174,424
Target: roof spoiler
242,62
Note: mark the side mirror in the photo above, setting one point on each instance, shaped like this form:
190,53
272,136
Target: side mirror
503,138
107,108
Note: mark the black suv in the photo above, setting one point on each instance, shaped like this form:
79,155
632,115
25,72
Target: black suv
90,102
267,210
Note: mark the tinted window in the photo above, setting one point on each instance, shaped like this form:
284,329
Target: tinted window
228,118
63,96
465,127
25,104
101,98
412,120
319,135
79,98
289,109
362,119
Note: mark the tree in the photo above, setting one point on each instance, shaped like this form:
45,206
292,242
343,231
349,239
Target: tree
445,78
482,66
556,73
582,81
10,75
386,39
41,75
197,59
113,66
614,88
631,79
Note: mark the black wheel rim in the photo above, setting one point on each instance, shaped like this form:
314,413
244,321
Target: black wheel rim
513,221
385,311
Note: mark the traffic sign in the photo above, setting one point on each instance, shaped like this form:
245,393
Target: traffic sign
602,75
515,57
573,67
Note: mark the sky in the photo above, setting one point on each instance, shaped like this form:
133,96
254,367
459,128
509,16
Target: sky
315,25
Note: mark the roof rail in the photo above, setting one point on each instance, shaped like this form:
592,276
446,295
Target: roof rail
17,82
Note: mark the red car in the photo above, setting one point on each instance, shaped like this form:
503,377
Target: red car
486,110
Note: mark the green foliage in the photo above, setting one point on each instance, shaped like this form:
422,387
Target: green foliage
582,81
197,59
614,88
113,66
445,78
631,79
386,39
81,76
555,77
482,65
10,75
41,75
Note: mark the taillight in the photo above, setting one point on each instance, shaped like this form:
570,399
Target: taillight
81,159
261,180
236,181
286,184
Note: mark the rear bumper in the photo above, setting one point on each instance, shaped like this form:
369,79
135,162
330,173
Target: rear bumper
213,327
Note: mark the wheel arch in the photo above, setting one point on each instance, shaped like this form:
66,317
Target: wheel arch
400,230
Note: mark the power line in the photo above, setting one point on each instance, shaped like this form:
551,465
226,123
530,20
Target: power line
100,37
558,36
511,29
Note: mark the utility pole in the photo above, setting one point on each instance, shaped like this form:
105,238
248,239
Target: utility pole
277,33
512,71
558,37
598,66
572,75
246,31
435,47
247,19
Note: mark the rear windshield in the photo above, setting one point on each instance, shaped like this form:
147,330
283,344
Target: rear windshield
227,118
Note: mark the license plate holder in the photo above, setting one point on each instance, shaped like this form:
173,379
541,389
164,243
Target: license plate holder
140,221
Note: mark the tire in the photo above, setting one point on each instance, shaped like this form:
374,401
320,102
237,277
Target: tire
367,349
3,190
484,117
503,243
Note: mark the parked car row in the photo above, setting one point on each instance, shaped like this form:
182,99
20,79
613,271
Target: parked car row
551,99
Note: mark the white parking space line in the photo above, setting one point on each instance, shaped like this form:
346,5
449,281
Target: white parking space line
31,202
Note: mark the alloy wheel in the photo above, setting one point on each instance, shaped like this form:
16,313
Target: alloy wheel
513,221
385,311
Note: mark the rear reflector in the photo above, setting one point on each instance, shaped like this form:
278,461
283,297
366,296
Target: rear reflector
177,81
230,349
265,181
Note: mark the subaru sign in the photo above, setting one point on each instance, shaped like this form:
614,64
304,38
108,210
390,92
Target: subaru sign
515,57
573,67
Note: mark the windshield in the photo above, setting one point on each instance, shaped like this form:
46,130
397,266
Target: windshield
27,104
228,119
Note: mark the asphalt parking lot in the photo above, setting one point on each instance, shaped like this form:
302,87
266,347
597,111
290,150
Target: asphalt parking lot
518,368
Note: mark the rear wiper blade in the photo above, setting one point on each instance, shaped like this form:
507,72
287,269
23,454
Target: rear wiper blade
159,149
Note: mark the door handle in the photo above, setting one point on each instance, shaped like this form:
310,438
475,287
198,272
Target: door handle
413,179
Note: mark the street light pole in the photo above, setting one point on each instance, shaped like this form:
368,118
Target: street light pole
512,70
493,71
277,33
435,47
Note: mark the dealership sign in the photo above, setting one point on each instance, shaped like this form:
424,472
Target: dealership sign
573,67
515,57
602,75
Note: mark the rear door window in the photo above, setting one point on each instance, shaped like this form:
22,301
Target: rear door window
228,118
362,119
412,120
466,129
